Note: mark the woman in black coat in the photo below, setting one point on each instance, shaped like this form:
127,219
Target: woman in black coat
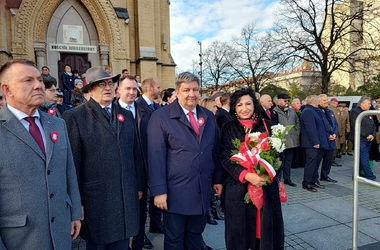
240,217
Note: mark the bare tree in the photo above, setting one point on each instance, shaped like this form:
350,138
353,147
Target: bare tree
255,58
331,34
217,70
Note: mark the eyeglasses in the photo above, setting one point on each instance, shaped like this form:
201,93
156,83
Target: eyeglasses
286,100
104,84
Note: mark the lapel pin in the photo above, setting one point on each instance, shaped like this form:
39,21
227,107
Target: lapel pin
51,111
54,136
201,121
120,117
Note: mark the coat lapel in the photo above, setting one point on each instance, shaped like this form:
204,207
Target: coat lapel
48,130
14,126
202,120
97,113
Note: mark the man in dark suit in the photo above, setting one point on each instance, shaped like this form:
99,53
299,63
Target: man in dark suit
222,115
183,164
39,196
314,140
128,91
109,165
266,109
151,89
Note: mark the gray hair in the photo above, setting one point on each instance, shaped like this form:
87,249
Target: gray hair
322,95
310,99
364,98
186,77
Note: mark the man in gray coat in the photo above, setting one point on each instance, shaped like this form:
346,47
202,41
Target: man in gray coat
109,164
39,197
287,116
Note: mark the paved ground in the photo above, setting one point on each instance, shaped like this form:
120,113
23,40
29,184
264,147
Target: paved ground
321,220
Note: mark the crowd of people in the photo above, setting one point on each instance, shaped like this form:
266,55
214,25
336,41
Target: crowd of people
92,159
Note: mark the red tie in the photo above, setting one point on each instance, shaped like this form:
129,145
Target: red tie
193,122
34,130
268,113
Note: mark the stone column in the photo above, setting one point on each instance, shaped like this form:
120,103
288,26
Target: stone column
104,52
40,51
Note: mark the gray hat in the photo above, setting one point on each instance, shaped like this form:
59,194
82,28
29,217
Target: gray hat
97,74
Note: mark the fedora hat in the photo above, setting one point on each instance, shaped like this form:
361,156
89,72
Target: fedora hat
97,74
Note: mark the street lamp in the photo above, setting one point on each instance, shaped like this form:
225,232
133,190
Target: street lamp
200,65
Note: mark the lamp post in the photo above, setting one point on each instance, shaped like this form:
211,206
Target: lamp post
200,65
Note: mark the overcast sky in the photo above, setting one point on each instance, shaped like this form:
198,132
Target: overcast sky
209,20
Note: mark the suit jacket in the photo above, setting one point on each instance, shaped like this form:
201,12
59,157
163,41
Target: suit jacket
312,128
222,116
141,101
39,194
109,166
181,165
263,115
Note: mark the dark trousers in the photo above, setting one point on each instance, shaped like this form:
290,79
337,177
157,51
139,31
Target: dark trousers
328,156
117,245
287,159
155,215
138,240
183,232
310,174
364,160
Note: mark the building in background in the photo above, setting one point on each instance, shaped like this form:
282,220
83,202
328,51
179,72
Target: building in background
122,34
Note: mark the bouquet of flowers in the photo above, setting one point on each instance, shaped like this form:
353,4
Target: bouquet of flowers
259,154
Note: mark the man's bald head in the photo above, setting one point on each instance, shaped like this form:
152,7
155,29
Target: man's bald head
266,101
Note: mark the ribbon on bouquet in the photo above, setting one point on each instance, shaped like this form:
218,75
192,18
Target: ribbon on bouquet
249,158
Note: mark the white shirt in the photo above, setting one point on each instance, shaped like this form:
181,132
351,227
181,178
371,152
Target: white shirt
187,113
131,107
147,99
21,115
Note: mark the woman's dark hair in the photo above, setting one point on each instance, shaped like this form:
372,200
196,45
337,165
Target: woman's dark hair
235,98
167,94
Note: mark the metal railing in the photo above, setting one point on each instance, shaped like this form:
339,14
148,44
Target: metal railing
357,178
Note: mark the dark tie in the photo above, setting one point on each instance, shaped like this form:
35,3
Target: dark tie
34,130
108,110
268,113
152,106
193,123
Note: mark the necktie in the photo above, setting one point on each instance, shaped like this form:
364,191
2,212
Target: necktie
152,106
108,110
34,130
129,107
193,123
268,113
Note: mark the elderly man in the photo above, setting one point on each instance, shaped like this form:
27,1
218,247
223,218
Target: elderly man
331,129
109,165
266,111
39,196
183,163
313,139
3,101
367,135
287,116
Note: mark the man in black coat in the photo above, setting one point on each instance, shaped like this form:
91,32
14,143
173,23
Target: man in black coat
151,89
109,165
266,109
128,91
222,115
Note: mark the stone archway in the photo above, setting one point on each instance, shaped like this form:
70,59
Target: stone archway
34,16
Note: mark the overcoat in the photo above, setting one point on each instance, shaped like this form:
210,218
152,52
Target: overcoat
290,118
181,165
39,195
240,217
109,166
